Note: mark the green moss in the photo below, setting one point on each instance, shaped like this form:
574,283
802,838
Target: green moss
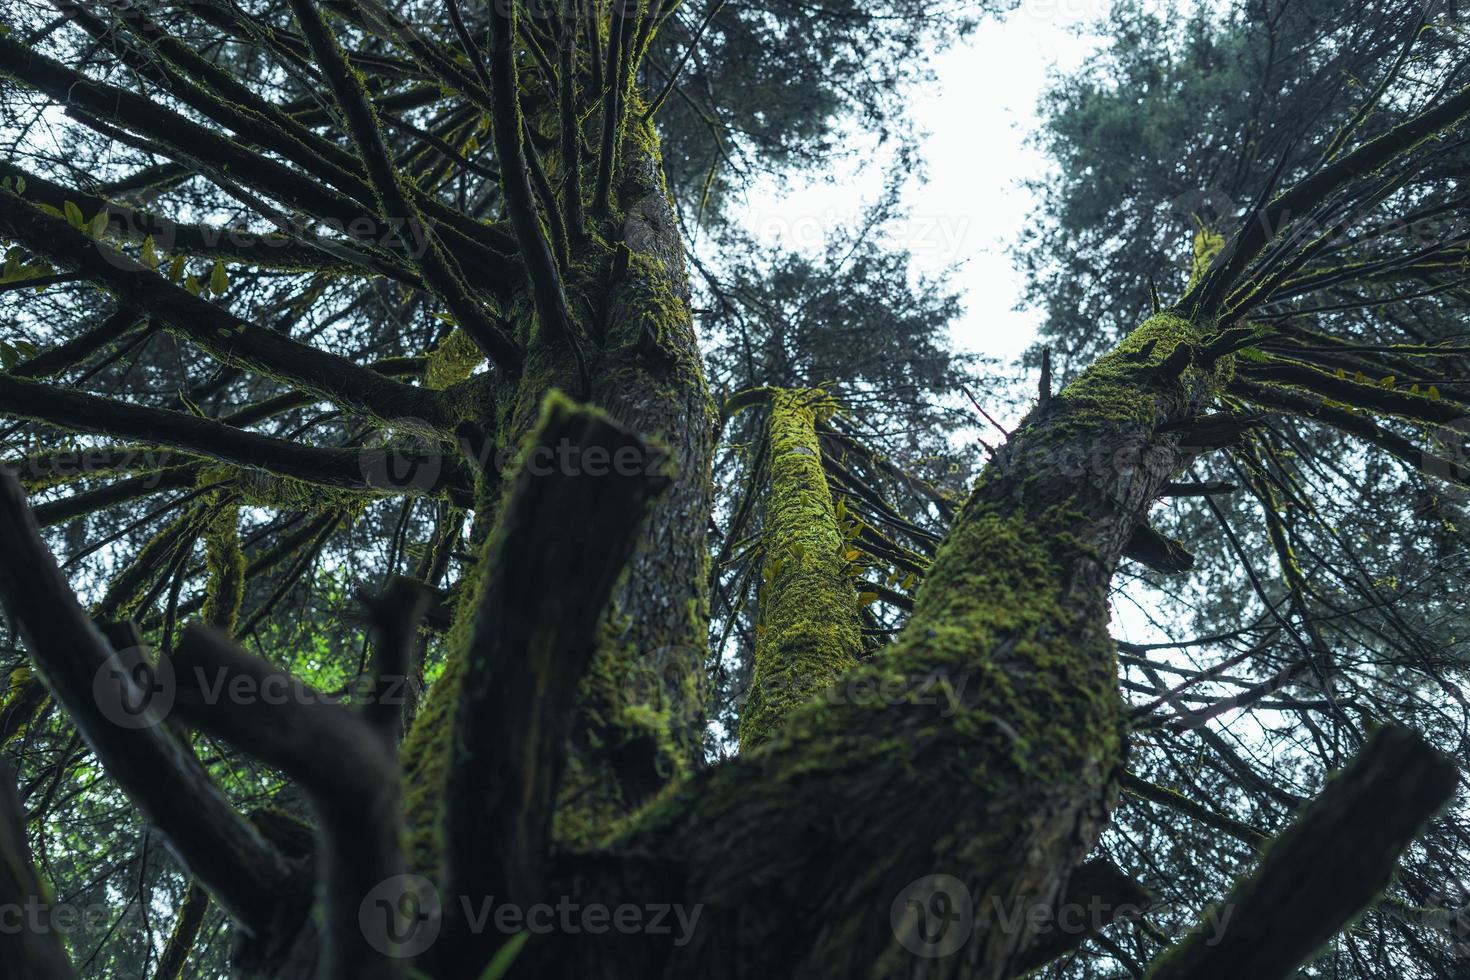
808,633
257,488
225,562
127,588
1002,683
429,743
452,361
1109,393
1208,244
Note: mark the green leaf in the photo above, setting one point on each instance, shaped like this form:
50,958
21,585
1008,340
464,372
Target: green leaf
20,185
504,957
176,268
867,598
27,348
74,216
9,356
97,227
149,255
219,280
191,284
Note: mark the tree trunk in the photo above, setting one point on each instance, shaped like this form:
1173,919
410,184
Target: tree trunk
641,707
984,748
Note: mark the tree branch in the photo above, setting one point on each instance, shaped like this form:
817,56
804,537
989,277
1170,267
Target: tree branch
1323,869
1303,197
350,469
562,541
213,328
31,948
436,266
120,722
78,349
339,760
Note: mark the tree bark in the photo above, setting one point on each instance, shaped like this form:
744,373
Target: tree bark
640,720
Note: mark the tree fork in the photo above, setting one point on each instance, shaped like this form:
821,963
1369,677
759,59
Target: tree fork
989,740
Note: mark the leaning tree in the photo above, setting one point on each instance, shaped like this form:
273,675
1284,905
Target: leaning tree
933,735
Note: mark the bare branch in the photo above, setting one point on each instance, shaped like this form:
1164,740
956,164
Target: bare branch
1323,869
345,468
339,760
214,329
120,721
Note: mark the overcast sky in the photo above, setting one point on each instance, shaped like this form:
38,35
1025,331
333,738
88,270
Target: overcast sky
974,120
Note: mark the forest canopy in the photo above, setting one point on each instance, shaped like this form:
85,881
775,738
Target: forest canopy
422,496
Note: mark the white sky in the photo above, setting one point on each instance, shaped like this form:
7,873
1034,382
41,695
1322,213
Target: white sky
974,120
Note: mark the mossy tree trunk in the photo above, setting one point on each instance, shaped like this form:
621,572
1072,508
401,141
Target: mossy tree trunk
976,758
808,634
641,717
